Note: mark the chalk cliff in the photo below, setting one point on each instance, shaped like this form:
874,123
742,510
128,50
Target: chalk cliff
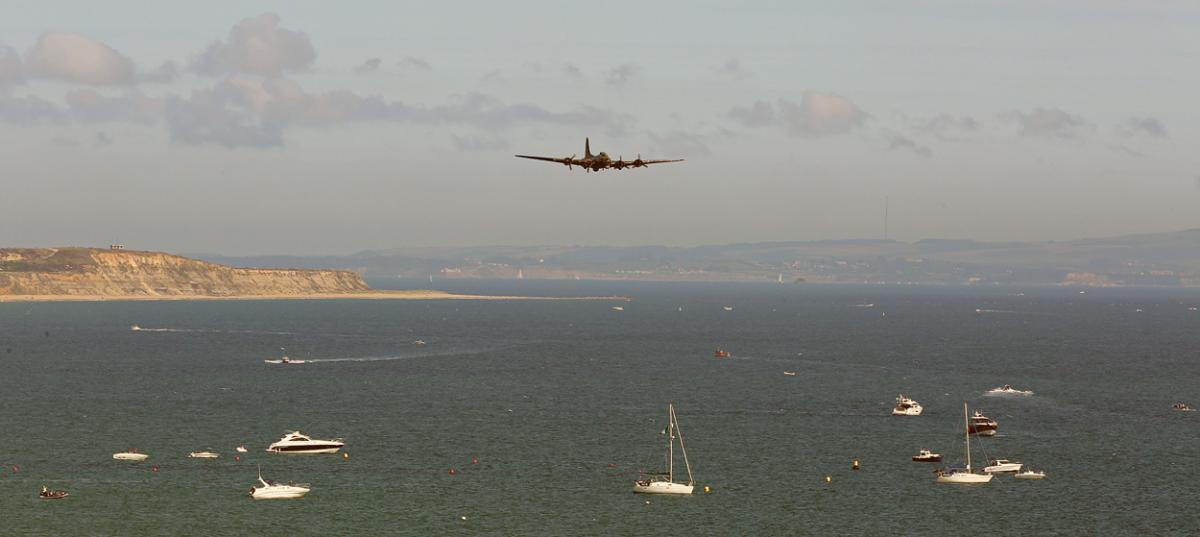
128,273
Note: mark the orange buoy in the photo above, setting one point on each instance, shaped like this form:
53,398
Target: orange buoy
154,469
474,460
237,457
453,471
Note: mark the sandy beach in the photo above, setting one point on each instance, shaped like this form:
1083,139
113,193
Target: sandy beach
368,295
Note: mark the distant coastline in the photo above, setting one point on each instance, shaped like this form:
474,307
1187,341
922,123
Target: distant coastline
369,295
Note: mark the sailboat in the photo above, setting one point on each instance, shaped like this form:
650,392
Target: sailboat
664,483
963,476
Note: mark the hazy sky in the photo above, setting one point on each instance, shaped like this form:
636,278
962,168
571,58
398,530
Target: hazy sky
243,127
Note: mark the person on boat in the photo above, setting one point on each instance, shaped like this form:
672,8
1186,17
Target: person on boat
45,491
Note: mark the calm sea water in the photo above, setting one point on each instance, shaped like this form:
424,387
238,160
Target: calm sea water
562,403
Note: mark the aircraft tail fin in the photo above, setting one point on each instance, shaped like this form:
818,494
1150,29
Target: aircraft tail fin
587,148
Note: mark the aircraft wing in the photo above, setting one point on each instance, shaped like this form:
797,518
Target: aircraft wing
549,159
648,162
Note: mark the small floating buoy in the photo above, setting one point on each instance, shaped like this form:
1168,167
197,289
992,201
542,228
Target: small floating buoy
647,502
154,469
345,455
855,466
464,517
237,457
15,468
474,460
829,479
707,489
453,471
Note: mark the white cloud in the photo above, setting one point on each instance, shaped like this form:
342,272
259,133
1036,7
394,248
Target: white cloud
11,70
817,114
1144,127
413,63
368,67
898,141
946,127
89,106
76,58
1048,123
258,45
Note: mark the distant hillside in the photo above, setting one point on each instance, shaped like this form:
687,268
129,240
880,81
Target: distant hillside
125,273
1166,259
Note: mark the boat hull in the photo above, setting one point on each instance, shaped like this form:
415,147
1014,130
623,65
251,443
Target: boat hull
934,458
1003,468
130,456
278,493
911,411
203,455
305,450
1030,476
964,478
661,487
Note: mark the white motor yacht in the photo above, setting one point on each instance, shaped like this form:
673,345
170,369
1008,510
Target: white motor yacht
203,455
131,455
906,407
241,448
284,360
276,491
1001,466
297,443
1007,390
1030,475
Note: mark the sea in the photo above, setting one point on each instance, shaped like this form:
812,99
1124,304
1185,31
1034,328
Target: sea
534,417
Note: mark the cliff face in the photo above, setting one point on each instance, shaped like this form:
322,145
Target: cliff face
127,273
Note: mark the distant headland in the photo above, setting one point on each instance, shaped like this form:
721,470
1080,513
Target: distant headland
95,274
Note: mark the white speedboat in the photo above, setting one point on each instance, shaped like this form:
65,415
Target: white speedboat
297,443
1030,475
906,407
728,308
664,482
203,455
135,327
1007,390
276,491
131,455
241,448
963,475
618,308
1182,407
1002,466
927,456
284,360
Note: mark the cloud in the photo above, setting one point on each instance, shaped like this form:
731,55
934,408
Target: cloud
816,115
89,106
241,111
572,71
413,63
1126,150
622,74
759,114
101,139
258,45
897,141
946,127
1048,123
678,144
11,70
1143,127
164,73
75,58
732,68
478,143
30,109
368,67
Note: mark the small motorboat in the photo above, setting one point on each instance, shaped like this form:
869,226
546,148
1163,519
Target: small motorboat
1007,389
419,342
299,444
1182,407
284,360
728,308
906,407
276,491
927,456
618,308
789,373
241,448
982,425
203,455
131,455
721,353
1002,466
48,494
135,327
1030,475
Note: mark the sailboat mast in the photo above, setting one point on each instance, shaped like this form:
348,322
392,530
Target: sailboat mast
688,465
670,442
967,435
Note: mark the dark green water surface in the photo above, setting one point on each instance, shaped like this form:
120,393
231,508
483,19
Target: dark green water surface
561,403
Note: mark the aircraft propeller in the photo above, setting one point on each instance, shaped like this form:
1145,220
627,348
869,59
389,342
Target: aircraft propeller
568,162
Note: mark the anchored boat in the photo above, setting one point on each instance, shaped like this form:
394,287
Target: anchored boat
664,482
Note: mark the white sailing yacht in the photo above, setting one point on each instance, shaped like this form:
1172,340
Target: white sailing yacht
963,476
664,483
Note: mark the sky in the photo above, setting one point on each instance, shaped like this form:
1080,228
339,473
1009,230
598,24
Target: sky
311,127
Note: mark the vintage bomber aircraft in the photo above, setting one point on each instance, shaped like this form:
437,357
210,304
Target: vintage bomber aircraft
595,163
